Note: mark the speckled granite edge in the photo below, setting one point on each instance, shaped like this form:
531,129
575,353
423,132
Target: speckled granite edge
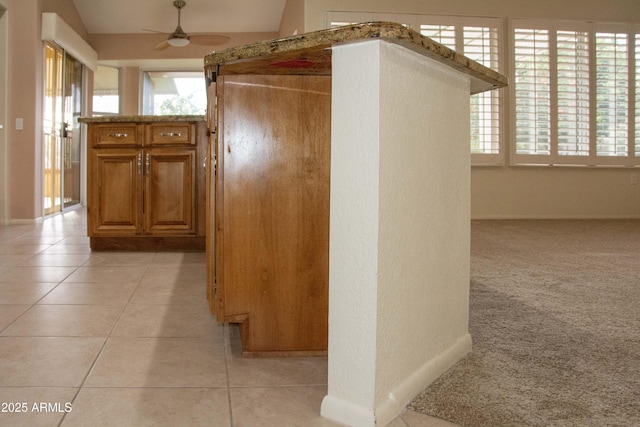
388,31
140,119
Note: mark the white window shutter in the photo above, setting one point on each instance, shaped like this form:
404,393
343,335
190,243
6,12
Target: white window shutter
612,94
532,91
572,93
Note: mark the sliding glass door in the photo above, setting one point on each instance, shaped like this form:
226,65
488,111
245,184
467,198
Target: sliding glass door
71,132
61,149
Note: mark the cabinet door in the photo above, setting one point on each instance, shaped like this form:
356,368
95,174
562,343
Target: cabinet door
170,191
116,192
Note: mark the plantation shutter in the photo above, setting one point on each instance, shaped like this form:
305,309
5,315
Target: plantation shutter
532,91
481,45
612,94
573,92
443,34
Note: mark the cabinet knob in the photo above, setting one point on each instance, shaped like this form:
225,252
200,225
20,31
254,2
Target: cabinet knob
170,134
118,135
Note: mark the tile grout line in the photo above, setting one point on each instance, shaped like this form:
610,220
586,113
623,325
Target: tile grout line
104,344
45,295
227,351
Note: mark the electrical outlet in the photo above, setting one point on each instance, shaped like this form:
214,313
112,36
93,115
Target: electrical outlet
19,124
634,178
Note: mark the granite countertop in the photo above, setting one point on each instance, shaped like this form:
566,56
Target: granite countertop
310,53
140,119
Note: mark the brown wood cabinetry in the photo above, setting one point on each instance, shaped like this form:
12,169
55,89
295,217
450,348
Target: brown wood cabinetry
115,192
146,185
273,101
272,202
169,191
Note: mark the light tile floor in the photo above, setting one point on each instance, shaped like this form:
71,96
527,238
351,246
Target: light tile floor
126,339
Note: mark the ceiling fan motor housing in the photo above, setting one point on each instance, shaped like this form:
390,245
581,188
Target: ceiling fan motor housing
179,38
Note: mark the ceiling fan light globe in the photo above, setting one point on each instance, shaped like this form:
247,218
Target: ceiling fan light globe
178,42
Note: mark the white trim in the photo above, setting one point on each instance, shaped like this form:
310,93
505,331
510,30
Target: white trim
404,393
346,413
552,217
55,29
388,410
26,221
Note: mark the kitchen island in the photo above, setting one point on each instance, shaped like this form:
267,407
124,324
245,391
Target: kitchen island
146,182
342,207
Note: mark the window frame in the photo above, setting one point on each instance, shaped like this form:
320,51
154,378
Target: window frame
118,70
592,159
147,92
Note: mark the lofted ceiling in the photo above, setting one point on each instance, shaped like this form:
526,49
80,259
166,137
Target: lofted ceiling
198,16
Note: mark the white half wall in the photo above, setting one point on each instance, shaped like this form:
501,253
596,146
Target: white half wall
399,229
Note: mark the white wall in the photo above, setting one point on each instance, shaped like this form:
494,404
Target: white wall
399,259
525,192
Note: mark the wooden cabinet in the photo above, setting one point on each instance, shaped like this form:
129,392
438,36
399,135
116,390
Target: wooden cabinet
115,192
169,191
146,185
272,211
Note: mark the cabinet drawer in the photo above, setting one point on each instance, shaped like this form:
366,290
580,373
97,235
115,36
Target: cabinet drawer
116,134
171,134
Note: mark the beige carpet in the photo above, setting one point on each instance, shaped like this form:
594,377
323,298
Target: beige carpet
555,322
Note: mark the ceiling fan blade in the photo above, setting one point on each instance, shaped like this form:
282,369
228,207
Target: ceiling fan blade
208,39
162,45
154,31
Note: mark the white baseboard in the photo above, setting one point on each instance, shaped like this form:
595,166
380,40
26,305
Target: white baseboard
388,410
26,221
536,217
346,413
407,390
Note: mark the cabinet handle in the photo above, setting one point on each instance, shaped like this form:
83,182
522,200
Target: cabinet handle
139,163
118,135
146,162
170,134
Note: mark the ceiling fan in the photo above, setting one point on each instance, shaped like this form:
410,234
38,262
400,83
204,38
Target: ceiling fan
179,38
